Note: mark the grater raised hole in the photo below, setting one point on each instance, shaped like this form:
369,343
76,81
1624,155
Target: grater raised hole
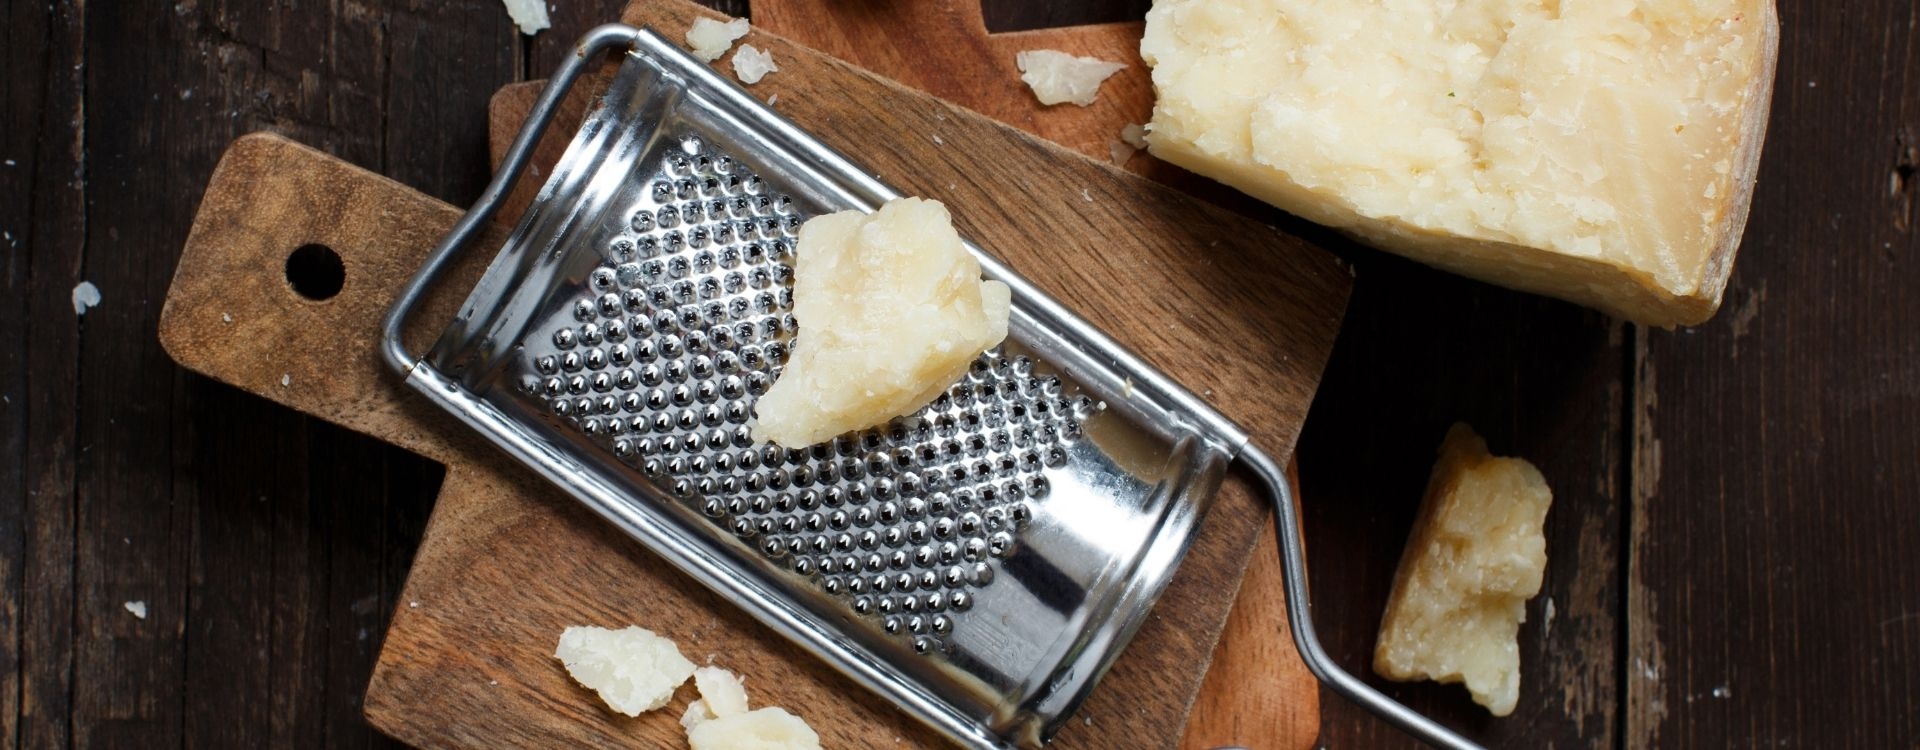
980,562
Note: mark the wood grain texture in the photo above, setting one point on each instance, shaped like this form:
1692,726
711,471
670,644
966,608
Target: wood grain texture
142,484
420,699
1776,453
46,214
1790,587
1258,686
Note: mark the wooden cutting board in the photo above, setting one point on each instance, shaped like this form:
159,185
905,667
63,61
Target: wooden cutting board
1231,308
1257,686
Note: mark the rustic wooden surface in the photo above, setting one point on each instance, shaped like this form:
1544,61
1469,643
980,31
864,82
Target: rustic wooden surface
478,585
1733,570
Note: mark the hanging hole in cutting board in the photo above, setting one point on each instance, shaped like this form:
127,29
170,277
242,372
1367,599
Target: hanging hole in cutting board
316,272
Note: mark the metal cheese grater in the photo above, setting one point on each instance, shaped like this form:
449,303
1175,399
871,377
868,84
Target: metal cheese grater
980,563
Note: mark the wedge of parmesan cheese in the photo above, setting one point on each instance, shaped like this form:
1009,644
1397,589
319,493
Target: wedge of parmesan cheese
1476,555
891,311
760,729
1057,77
633,670
1600,151
709,39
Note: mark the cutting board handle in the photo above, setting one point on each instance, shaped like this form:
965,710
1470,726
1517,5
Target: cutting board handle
292,261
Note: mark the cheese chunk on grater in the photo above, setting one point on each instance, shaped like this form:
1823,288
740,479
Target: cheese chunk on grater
980,563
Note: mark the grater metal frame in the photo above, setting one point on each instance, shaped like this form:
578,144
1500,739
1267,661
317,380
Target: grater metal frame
1041,311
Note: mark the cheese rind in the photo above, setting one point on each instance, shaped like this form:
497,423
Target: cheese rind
1603,151
891,311
1476,555
633,669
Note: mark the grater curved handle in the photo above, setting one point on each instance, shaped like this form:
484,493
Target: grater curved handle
600,40
1299,616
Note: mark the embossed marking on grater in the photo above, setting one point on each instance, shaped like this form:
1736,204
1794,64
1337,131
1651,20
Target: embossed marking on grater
980,563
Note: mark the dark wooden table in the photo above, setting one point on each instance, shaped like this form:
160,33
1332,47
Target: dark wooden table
1736,506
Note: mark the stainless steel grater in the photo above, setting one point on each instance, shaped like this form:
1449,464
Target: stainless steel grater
980,563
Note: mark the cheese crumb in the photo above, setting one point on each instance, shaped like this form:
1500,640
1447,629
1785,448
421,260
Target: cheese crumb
696,714
1057,77
529,15
632,669
138,608
85,297
761,729
1476,555
710,39
1134,134
750,64
1602,151
891,310
721,691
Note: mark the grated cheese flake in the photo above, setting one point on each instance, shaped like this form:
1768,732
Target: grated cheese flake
709,39
529,15
751,64
1057,77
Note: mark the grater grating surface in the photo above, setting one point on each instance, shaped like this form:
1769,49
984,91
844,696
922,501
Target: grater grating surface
687,321
980,563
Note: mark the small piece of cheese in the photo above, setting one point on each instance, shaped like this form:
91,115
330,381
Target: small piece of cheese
721,691
1057,77
85,297
696,714
529,15
1476,555
891,310
1132,139
709,39
1601,151
633,669
761,729
750,64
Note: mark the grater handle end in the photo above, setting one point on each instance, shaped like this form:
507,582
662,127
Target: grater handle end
600,40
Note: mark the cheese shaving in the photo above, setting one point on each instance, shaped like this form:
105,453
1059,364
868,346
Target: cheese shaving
710,39
1057,77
